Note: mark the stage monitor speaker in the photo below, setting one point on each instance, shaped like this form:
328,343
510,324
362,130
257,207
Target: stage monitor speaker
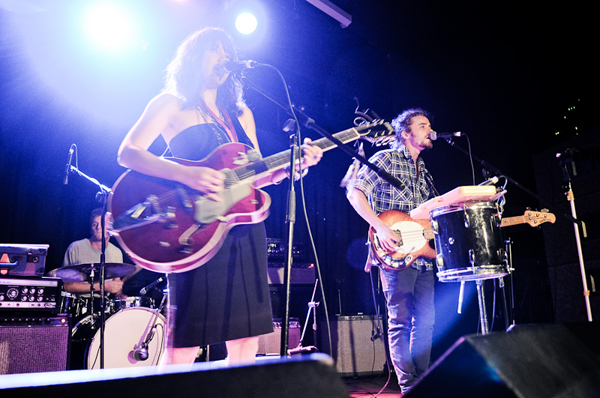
299,377
358,346
33,343
530,361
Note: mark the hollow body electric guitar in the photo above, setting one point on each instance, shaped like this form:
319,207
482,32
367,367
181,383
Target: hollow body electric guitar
165,226
414,236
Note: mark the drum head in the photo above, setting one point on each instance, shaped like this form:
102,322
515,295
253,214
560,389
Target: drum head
124,335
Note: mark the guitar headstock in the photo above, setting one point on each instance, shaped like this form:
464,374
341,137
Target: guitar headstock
535,218
377,132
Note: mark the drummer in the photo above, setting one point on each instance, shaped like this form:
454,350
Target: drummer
88,250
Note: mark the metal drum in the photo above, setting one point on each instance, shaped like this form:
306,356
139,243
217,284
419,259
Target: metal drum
468,242
119,304
132,337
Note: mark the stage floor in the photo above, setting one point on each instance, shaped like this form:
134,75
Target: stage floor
362,387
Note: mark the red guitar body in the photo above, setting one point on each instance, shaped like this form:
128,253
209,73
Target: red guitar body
156,220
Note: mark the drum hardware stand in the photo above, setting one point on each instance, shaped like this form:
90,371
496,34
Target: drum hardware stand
312,307
102,197
482,312
508,323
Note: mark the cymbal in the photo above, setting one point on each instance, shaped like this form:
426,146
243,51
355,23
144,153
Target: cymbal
82,272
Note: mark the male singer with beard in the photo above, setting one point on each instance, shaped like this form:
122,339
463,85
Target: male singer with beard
408,292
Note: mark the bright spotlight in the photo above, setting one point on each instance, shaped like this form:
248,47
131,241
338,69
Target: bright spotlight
246,23
108,26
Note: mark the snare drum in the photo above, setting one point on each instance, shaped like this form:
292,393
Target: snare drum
468,242
126,335
119,304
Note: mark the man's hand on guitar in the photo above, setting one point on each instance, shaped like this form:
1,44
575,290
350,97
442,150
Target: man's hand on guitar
204,179
388,239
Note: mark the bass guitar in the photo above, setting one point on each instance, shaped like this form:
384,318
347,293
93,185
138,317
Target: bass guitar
165,226
414,236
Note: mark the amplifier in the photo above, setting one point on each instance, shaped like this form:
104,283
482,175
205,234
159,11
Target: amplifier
30,294
23,259
302,273
357,349
277,249
34,344
270,343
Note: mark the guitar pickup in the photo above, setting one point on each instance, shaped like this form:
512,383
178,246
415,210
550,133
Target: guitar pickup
171,218
135,216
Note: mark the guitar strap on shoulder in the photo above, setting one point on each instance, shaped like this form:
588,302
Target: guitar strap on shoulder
429,181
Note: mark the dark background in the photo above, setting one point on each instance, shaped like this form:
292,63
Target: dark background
518,79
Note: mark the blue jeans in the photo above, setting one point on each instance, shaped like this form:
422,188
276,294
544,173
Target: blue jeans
411,315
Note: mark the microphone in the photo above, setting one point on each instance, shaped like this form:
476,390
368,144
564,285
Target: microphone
145,289
491,181
228,66
141,353
435,135
68,169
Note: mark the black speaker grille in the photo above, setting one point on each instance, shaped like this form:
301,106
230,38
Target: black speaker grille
39,347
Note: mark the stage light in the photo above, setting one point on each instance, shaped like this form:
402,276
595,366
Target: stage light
108,26
246,23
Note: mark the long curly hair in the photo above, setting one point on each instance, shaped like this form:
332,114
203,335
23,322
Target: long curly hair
402,123
184,80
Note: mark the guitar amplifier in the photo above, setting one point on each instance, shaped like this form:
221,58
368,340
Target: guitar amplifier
23,259
277,249
34,344
30,294
302,273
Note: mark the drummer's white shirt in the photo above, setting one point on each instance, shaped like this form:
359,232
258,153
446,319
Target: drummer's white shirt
82,252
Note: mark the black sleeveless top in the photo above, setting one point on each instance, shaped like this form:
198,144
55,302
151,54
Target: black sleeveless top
198,141
228,297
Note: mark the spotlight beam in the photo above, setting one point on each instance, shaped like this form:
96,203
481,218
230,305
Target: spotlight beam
333,11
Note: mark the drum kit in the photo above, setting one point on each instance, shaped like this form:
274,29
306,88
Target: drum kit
134,327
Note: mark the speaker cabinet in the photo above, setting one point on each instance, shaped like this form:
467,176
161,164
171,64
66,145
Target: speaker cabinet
33,344
298,377
530,361
358,349
271,343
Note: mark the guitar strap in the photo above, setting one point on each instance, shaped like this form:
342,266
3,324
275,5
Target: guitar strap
429,181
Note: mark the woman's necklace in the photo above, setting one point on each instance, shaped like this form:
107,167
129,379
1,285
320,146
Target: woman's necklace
223,120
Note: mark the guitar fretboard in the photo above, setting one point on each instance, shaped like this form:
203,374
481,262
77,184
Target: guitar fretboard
282,159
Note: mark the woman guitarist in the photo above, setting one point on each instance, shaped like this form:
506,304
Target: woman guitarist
200,109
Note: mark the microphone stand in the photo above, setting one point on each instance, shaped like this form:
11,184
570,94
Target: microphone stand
573,218
291,217
102,197
571,199
291,220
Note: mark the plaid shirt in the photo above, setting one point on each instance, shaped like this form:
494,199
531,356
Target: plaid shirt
383,196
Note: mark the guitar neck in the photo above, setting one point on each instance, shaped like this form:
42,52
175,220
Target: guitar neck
508,221
282,159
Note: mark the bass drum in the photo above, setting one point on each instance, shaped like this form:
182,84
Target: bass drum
132,337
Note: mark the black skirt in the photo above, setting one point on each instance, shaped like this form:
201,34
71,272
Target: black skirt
225,299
